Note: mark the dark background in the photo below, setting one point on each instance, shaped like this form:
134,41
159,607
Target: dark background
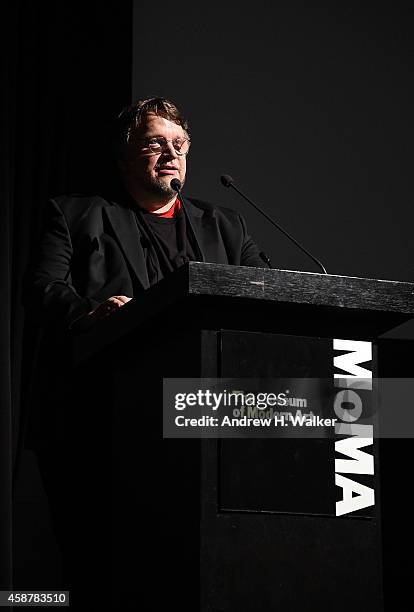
65,73
309,109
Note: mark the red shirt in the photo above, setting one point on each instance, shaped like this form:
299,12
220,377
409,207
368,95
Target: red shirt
172,211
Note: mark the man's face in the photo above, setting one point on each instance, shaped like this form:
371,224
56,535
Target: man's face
151,172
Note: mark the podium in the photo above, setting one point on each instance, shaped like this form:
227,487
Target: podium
233,524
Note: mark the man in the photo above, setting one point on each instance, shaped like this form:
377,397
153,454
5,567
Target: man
97,254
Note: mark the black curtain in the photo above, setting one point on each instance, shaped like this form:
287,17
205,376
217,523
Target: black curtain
65,72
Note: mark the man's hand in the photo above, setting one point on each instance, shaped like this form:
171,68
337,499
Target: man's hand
109,306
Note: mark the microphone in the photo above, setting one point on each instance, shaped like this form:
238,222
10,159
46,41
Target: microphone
228,181
176,185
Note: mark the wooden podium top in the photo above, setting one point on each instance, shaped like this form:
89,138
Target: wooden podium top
299,287
252,297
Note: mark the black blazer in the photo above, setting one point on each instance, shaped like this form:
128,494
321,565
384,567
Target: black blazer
92,249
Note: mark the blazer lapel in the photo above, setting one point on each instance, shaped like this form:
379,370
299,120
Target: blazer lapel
207,234
123,223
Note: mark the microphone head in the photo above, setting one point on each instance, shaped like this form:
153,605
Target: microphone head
175,184
226,180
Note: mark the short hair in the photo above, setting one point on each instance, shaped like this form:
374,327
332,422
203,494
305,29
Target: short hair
132,117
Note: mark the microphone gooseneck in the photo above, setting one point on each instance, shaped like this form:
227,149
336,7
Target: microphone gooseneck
176,185
228,181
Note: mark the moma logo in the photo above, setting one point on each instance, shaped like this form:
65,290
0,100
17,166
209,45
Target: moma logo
353,382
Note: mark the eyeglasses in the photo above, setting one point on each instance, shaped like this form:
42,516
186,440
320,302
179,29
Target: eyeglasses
160,144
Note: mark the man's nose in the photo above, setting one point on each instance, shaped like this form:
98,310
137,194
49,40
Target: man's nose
170,151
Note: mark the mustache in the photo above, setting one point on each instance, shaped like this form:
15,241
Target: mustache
159,165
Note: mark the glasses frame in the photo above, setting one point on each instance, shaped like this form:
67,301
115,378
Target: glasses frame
165,147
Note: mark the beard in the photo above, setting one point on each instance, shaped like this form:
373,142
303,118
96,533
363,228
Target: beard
160,187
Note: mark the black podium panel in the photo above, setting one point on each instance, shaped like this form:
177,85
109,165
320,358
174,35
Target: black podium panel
278,475
271,517
289,476
155,482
